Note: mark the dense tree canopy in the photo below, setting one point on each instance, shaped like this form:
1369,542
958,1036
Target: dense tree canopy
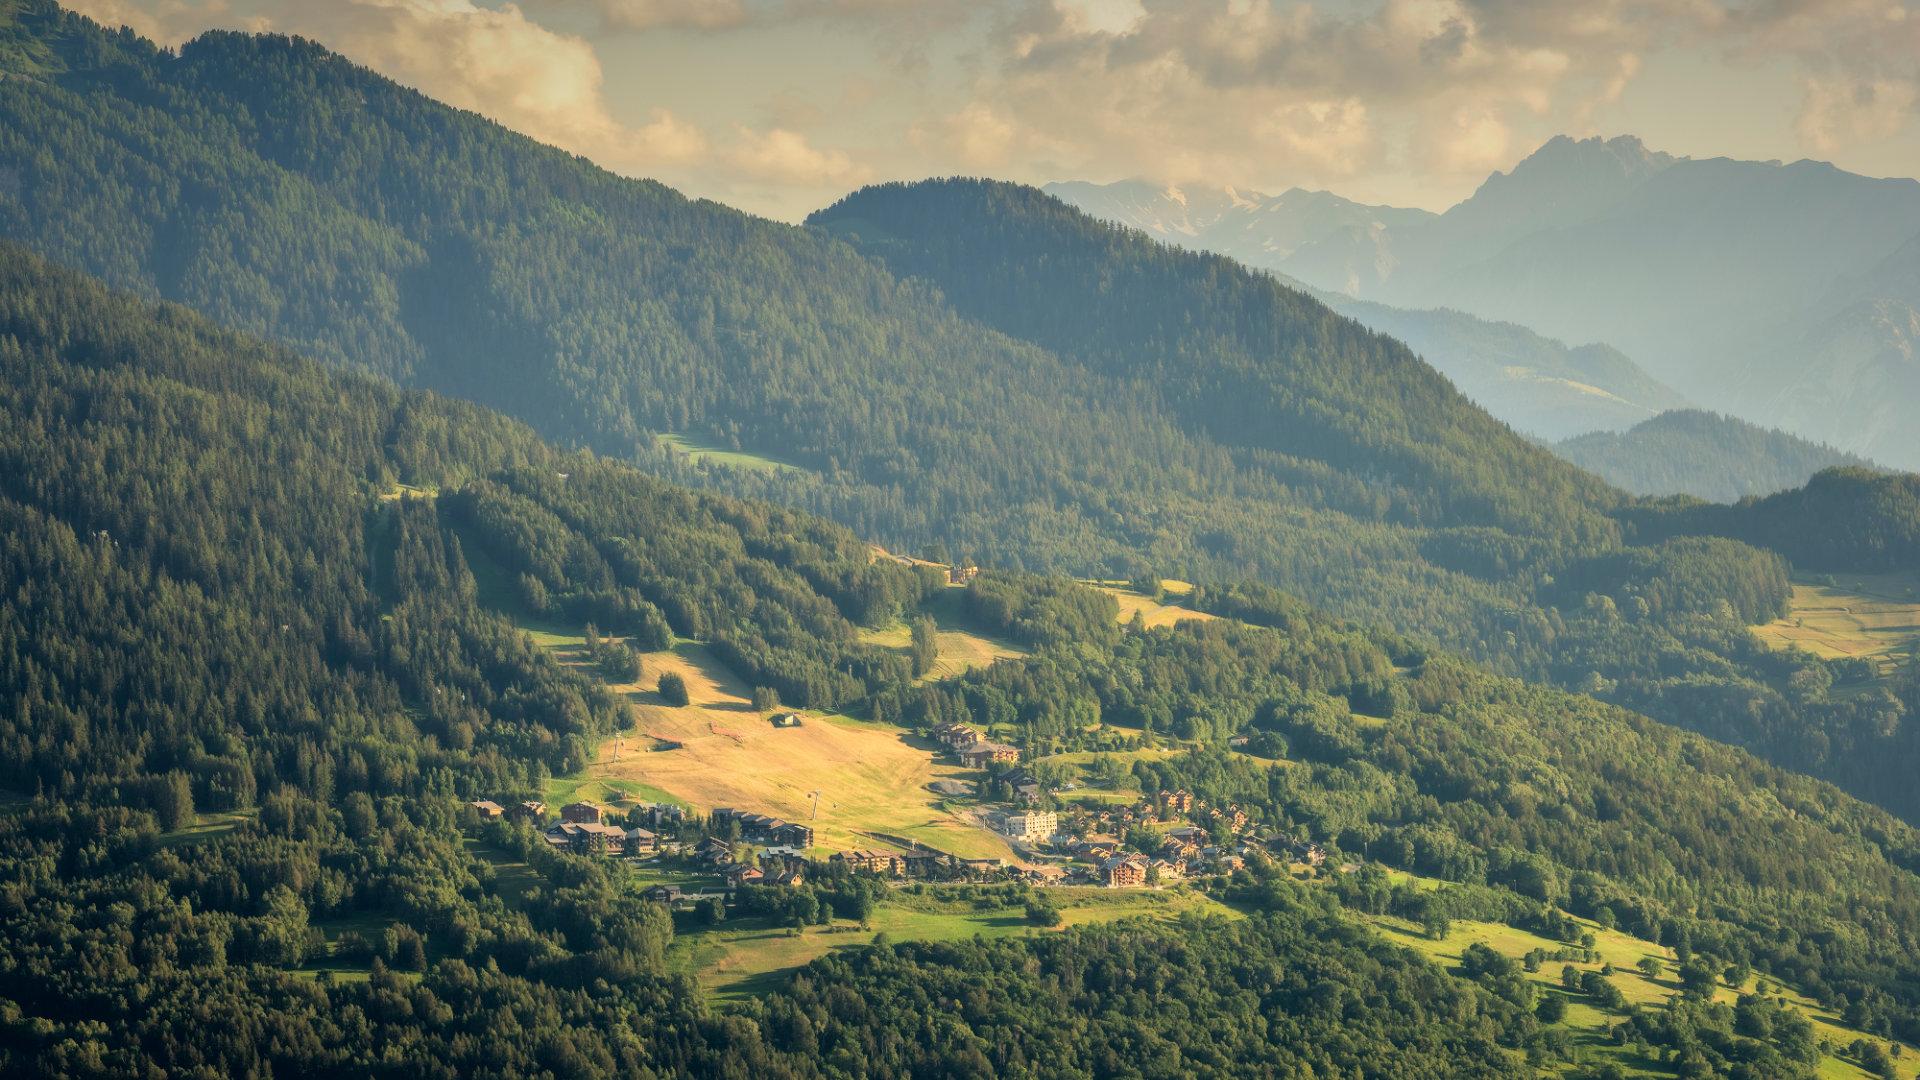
957,363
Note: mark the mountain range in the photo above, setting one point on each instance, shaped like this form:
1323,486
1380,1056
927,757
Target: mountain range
367,469
1784,293
967,368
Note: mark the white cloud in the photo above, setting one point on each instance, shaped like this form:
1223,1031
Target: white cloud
1431,94
652,14
1840,112
786,157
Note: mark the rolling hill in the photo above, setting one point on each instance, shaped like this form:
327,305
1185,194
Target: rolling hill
1713,457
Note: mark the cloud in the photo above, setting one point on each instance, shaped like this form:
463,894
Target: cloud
1246,91
786,157
1842,112
976,137
1428,95
1859,65
654,14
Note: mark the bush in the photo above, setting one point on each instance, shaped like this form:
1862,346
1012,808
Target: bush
674,689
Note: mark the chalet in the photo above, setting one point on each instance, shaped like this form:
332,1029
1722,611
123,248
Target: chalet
1189,834
1177,802
1026,787
662,815
1031,827
1095,848
791,876
1179,849
1302,851
587,837
531,810
664,894
1229,863
961,575
983,753
921,863
742,874
1124,871
714,850
580,813
955,736
488,809
786,720
1169,869
884,863
761,829
640,841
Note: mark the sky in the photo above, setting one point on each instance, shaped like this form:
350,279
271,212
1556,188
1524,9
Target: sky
781,106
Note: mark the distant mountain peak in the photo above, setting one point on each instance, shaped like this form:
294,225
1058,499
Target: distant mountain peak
1564,158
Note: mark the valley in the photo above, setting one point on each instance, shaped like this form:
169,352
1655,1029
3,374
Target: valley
456,617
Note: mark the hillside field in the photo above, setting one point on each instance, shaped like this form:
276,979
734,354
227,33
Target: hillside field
958,648
1153,612
1872,617
746,958
871,778
1588,1023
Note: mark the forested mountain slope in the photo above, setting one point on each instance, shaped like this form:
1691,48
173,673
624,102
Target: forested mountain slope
1703,454
281,190
1540,386
1228,351
284,191
163,481
1782,292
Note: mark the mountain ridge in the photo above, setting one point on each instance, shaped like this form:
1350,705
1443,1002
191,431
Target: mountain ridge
1757,288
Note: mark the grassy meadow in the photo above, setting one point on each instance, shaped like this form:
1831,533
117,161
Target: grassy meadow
1872,617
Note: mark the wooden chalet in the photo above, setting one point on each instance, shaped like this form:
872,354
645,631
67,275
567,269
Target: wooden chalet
884,863
1125,871
984,753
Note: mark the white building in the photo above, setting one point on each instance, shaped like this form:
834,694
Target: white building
1032,826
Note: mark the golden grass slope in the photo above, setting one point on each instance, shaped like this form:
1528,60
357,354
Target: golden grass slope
871,778
1873,617
1154,613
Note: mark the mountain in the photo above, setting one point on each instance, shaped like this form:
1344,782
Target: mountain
1538,385
971,368
263,639
1783,293
1323,235
288,193
1714,457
